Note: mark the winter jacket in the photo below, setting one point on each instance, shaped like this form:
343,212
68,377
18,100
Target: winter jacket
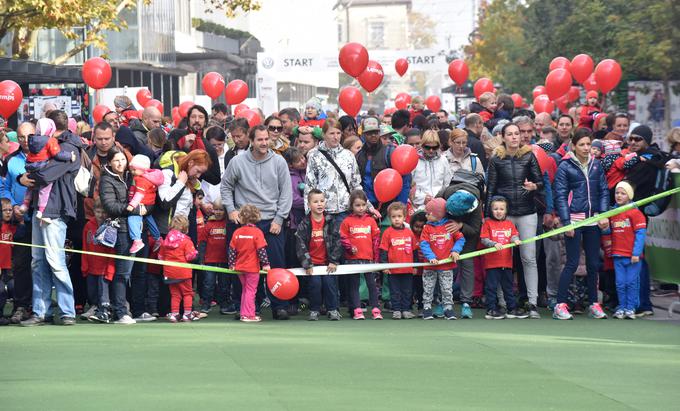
506,176
16,166
466,163
96,170
140,132
145,187
372,160
63,197
177,247
41,149
323,176
331,238
263,183
475,145
472,221
643,174
577,195
113,193
127,139
173,198
95,264
429,177
483,112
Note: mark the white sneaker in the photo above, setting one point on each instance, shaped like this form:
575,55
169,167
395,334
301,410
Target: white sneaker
89,313
126,320
145,318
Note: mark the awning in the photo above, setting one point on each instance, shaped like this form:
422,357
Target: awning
26,71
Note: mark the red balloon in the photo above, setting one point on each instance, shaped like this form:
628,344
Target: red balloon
174,112
176,119
402,101
239,108
154,103
10,97
559,62
96,72
581,67
517,99
213,84
562,103
184,108
387,185
574,93
143,96
557,83
371,78
99,112
353,59
538,90
350,100
542,104
433,103
282,283
401,65
590,83
607,75
459,71
141,112
404,159
545,162
252,116
236,92
482,86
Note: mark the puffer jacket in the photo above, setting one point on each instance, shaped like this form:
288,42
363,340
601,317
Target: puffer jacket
322,175
430,176
331,238
179,248
113,193
506,176
472,221
576,193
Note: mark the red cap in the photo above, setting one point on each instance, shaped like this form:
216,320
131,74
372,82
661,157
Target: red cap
592,94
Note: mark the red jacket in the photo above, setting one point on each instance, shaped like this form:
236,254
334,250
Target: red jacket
585,119
156,269
314,122
214,234
50,150
177,247
362,233
6,234
94,264
145,188
500,232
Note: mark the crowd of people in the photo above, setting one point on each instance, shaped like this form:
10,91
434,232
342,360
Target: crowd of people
298,191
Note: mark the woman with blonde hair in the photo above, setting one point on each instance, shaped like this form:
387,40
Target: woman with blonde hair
432,172
459,156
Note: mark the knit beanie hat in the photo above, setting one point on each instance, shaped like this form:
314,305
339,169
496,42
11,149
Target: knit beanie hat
436,207
627,188
140,162
644,132
461,202
45,127
598,144
315,103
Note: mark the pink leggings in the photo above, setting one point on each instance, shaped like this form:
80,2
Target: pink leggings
43,196
249,289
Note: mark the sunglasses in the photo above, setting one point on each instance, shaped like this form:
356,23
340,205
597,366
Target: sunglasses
431,147
276,129
635,138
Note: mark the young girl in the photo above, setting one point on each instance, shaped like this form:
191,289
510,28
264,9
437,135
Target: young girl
497,232
42,147
360,237
214,235
628,241
248,254
97,270
398,245
178,247
436,243
143,191
7,232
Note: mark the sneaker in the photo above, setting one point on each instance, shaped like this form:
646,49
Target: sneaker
521,314
33,320
156,246
19,315
249,319
407,315
619,314
334,315
228,310
313,316
561,312
280,314
101,316
125,320
396,315
494,315
145,318
630,314
358,314
595,311
89,313
202,314
68,321
449,315
466,311
427,314
643,313
172,317
377,315
136,246
438,311
533,312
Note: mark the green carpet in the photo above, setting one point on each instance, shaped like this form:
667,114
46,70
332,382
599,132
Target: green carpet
219,363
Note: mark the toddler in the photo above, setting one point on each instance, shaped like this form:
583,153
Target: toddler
146,182
97,270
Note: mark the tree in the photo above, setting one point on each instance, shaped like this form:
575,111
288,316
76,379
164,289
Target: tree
421,34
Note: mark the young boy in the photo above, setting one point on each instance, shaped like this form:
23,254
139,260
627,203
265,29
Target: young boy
312,115
486,106
7,232
629,230
398,245
214,235
317,242
98,271
436,243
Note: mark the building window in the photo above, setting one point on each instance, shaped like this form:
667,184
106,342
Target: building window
376,35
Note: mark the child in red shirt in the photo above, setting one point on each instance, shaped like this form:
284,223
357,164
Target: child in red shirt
97,270
143,191
178,247
398,245
360,237
6,234
496,232
436,244
247,254
628,230
214,235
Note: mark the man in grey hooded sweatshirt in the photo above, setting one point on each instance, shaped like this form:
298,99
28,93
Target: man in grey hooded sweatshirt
261,178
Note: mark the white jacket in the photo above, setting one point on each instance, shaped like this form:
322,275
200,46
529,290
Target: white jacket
429,177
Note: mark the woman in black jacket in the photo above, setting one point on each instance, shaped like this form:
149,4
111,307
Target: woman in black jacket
514,174
114,184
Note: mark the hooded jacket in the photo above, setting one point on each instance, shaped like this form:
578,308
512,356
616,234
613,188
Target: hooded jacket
429,177
323,176
126,137
506,176
476,146
263,183
140,132
578,193
331,238
146,184
177,247
113,193
472,221
466,163
643,174
41,149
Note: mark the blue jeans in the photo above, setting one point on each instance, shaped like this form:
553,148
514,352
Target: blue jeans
591,246
326,285
276,252
627,283
135,226
49,269
504,277
401,291
122,276
98,290
224,282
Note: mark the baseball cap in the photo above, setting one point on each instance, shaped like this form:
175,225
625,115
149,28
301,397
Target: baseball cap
371,124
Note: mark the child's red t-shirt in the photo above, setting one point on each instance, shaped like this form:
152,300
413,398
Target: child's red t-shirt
214,233
7,234
317,245
362,233
441,242
623,227
499,232
400,245
246,241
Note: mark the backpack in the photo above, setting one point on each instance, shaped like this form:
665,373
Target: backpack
83,179
470,177
663,182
